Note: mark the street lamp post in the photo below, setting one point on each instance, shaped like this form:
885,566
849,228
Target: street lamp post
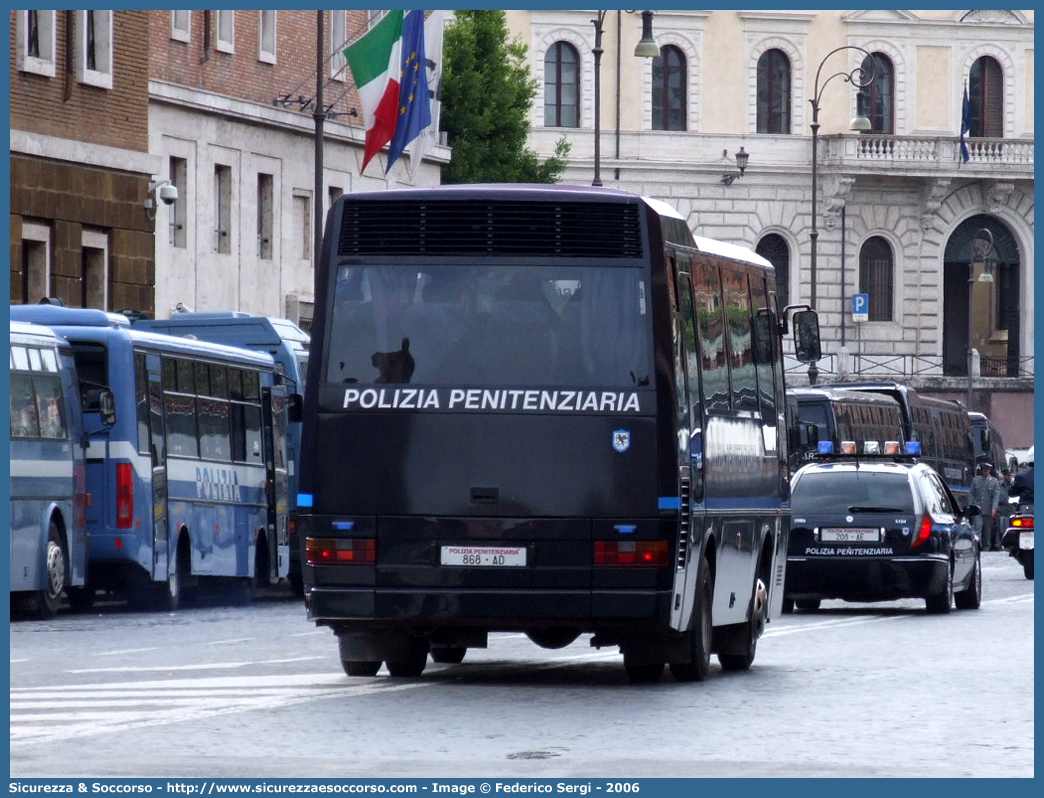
982,249
646,48
859,122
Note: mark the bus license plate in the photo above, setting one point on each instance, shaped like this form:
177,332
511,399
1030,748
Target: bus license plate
850,535
1025,540
484,556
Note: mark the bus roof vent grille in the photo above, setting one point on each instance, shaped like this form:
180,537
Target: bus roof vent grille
478,227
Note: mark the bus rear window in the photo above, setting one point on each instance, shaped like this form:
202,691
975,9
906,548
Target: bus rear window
490,326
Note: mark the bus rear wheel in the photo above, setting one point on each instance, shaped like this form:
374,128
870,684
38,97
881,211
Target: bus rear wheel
413,660
361,667
448,655
49,598
699,637
748,633
167,594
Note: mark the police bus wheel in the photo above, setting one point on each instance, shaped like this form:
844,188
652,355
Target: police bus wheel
699,637
412,663
168,592
747,634
361,667
448,655
50,597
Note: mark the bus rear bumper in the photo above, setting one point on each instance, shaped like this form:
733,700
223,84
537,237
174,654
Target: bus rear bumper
491,609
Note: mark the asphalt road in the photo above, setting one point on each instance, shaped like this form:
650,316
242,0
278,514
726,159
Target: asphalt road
877,690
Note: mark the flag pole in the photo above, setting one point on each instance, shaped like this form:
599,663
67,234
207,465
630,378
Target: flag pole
319,115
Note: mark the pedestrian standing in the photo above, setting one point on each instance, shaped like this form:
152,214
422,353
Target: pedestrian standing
985,492
1005,508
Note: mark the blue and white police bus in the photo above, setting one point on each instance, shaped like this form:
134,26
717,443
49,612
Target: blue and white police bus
548,410
288,345
187,475
48,480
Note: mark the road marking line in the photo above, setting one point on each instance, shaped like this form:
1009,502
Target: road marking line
121,651
201,667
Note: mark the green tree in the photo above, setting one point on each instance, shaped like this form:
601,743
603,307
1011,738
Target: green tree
487,93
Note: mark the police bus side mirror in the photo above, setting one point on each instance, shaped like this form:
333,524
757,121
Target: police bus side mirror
294,407
107,407
806,336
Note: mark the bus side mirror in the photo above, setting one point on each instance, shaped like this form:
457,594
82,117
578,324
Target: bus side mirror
107,407
293,408
806,336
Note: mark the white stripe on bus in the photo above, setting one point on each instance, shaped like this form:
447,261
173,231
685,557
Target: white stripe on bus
42,468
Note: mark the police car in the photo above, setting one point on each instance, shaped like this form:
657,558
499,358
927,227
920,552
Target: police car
877,525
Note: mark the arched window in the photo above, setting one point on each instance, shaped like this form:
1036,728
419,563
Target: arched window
879,97
562,86
875,277
775,250
986,97
668,89
773,92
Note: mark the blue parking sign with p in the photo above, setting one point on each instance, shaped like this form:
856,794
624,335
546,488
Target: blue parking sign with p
860,307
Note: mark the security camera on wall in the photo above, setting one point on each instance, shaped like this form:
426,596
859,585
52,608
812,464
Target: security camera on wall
167,193
163,190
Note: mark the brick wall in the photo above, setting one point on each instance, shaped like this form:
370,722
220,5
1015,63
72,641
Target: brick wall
61,107
241,74
70,197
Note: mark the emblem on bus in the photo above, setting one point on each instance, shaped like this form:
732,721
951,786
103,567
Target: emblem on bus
621,440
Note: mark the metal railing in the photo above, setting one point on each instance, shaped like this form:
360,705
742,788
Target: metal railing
900,368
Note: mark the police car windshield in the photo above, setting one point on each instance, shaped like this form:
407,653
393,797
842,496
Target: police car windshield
852,491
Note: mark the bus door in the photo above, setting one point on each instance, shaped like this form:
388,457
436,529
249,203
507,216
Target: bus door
276,479
162,556
690,450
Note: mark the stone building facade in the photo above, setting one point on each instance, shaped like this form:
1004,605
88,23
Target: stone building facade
900,217
231,116
80,162
108,106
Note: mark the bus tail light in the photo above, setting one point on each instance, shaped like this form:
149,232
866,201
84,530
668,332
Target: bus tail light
924,532
124,495
341,551
630,552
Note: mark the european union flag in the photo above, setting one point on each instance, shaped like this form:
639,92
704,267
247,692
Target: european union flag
966,123
414,99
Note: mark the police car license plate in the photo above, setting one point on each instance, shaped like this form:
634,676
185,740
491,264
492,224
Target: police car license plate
484,556
1025,540
850,535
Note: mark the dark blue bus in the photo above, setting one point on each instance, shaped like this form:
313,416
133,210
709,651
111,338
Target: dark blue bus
546,409
941,426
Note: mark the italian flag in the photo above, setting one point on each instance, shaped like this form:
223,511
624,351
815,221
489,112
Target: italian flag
376,64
